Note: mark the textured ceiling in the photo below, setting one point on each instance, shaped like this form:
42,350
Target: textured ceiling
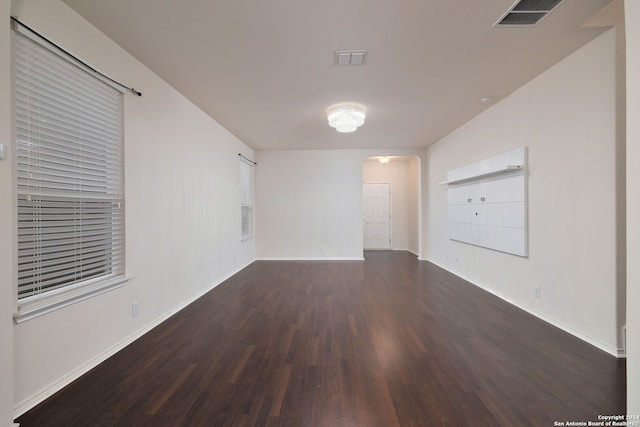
265,69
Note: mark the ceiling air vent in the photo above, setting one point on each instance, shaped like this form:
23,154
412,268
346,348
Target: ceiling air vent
527,12
350,57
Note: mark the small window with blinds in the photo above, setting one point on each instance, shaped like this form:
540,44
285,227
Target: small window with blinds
246,199
70,194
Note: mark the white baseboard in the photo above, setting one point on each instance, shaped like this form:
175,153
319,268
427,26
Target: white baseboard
58,385
617,352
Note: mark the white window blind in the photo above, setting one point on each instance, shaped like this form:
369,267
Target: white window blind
70,190
246,199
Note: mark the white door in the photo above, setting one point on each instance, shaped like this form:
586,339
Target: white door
377,216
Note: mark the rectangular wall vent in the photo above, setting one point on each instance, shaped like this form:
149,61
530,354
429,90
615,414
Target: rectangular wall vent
527,12
350,57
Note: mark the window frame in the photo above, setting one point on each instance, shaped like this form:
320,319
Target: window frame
67,292
246,199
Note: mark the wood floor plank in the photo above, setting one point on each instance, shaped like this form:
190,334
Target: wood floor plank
391,341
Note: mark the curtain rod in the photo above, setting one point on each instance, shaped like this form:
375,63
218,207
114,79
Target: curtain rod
247,159
66,52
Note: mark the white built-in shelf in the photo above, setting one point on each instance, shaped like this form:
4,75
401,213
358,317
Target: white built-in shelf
506,169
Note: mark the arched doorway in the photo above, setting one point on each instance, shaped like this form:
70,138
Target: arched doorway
399,177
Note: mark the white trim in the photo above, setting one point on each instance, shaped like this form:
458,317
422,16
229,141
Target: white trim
617,352
416,254
510,161
508,168
59,384
38,305
311,259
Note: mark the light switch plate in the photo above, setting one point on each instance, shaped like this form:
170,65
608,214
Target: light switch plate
3,151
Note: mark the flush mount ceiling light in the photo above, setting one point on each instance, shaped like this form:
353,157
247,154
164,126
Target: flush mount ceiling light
346,117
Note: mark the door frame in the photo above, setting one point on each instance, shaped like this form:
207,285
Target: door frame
420,196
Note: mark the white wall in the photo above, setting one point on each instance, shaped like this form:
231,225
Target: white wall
397,173
632,22
309,203
413,243
6,226
567,118
182,216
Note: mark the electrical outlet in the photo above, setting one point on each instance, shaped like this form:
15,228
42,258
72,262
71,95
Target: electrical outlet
536,291
321,248
135,308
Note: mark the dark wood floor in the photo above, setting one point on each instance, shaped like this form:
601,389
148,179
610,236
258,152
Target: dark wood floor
391,341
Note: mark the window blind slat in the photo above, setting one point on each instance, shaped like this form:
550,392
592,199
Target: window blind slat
51,130
59,112
28,56
56,73
33,256
44,192
72,151
26,261
62,269
54,116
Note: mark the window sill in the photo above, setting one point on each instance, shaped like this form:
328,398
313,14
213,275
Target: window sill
37,306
